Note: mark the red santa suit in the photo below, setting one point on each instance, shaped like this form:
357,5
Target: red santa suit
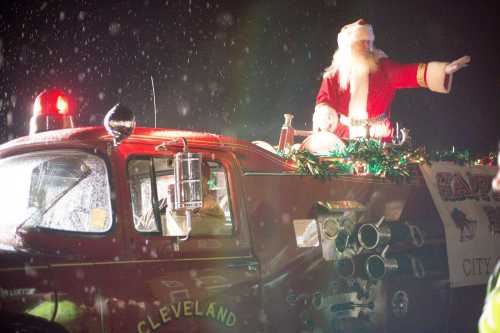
369,104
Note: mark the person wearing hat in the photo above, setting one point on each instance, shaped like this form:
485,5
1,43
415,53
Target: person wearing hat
358,87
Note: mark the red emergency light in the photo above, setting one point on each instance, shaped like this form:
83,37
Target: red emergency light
53,109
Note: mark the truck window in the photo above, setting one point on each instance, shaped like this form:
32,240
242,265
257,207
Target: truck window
60,190
214,218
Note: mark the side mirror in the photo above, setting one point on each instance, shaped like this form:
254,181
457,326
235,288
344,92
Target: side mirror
187,193
119,123
188,181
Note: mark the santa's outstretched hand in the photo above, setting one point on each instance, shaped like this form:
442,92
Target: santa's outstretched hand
454,66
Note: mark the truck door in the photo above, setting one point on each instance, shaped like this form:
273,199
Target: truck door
59,226
208,282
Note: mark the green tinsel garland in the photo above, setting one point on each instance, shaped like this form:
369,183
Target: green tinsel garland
458,157
389,161
309,164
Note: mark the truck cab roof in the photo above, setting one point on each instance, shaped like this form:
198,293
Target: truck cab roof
251,157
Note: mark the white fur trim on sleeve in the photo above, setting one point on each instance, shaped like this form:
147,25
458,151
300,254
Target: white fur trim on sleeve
435,77
325,118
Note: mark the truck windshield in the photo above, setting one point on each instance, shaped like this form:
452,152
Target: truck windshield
61,190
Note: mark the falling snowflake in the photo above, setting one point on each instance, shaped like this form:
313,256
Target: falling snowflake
13,100
30,271
80,274
1,53
114,28
81,16
225,19
183,109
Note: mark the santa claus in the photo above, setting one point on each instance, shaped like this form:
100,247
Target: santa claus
358,87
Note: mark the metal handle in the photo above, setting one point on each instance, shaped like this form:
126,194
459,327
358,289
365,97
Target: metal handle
251,265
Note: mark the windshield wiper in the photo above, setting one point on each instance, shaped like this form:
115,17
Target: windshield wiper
87,172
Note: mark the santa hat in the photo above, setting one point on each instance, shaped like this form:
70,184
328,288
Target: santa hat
359,30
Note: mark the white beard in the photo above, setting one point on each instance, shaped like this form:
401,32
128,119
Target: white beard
352,66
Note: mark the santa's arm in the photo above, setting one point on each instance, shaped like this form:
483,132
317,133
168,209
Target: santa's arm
439,75
436,76
325,117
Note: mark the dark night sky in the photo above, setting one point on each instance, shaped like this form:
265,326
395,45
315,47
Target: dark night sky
234,67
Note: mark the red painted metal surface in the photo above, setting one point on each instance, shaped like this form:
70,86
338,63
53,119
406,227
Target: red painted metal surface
255,279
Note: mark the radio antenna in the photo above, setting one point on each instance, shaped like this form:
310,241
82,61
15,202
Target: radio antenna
154,97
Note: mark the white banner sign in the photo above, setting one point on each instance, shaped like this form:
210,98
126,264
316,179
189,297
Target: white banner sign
470,212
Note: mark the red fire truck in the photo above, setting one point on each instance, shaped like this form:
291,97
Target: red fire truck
122,229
